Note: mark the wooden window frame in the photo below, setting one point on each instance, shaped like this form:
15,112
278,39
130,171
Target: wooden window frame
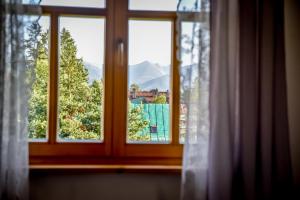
114,150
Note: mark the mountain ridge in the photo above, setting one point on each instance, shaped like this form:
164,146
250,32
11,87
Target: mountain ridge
146,74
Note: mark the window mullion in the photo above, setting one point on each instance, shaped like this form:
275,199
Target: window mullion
175,95
120,76
108,78
53,82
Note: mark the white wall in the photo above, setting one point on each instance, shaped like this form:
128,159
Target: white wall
90,186
292,35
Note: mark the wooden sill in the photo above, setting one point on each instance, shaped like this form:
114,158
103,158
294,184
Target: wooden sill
108,168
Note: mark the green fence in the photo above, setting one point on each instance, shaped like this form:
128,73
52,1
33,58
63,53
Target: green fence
159,117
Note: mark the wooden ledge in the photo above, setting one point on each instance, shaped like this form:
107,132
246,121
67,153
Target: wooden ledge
108,168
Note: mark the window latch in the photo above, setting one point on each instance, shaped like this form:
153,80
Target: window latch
121,52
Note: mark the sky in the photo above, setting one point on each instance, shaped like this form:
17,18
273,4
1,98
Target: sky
148,40
151,41
169,5
88,34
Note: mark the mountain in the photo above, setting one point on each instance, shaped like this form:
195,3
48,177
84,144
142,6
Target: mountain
146,74
162,83
145,71
95,73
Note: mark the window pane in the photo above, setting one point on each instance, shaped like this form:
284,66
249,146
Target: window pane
81,81
164,5
38,103
75,3
149,81
195,38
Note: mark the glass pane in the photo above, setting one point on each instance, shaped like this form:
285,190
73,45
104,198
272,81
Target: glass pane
75,3
164,5
81,81
39,54
148,117
194,38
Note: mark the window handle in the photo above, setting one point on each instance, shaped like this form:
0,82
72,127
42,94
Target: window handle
121,52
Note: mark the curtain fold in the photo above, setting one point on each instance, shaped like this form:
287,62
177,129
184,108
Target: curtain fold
265,166
247,152
15,79
224,110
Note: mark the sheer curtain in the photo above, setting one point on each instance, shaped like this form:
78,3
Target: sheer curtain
237,137
15,79
194,49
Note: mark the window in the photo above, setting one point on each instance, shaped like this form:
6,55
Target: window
38,104
148,117
107,84
190,66
80,84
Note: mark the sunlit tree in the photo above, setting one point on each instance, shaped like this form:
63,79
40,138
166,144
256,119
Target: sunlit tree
137,123
160,99
80,103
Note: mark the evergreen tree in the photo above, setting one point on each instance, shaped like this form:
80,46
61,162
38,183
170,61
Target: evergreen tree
38,102
77,107
80,104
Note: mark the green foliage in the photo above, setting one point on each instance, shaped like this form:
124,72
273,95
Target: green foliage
38,102
80,103
80,107
136,123
160,99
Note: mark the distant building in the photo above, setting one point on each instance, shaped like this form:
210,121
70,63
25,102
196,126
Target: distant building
146,96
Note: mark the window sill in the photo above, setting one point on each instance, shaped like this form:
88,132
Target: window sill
107,168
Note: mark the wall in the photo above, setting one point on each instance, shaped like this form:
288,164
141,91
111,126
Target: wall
78,186
292,35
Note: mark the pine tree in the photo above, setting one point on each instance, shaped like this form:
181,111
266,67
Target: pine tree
80,104
77,107
38,102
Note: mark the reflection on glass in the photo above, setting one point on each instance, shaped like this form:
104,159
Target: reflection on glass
75,3
38,55
81,79
195,38
163,5
148,118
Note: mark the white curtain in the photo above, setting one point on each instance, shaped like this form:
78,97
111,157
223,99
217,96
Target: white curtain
194,50
15,79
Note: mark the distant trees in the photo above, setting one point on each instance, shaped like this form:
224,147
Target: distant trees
160,99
